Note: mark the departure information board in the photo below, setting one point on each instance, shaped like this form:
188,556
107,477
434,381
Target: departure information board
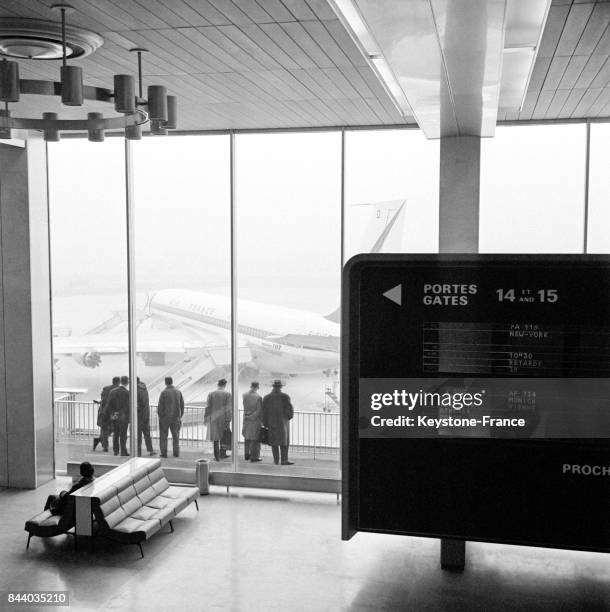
476,395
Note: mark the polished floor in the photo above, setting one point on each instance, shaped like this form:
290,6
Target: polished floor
256,550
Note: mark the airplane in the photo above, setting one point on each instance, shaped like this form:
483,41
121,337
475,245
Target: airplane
279,340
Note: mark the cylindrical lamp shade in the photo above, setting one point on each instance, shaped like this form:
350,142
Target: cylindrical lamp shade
157,102
95,134
72,85
5,132
51,134
133,132
124,93
9,81
157,127
172,113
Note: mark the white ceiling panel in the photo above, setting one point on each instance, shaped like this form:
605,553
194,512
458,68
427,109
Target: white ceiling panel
232,63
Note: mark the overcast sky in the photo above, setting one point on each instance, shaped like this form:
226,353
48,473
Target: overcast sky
288,205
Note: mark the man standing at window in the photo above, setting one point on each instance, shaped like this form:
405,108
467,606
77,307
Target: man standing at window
218,415
253,419
170,410
118,409
277,412
144,419
103,416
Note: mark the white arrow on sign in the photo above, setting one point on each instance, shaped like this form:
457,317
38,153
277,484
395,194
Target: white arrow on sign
394,294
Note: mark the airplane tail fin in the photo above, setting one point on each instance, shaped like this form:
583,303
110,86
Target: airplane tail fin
375,227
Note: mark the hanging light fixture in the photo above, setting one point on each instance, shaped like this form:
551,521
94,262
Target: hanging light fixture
31,39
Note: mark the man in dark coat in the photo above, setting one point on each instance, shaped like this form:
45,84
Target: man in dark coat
118,409
277,412
144,419
253,419
170,409
57,503
217,416
103,418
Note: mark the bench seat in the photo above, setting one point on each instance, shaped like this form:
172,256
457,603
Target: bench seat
136,506
47,525
128,504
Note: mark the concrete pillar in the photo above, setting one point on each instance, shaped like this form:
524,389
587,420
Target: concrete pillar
26,364
460,168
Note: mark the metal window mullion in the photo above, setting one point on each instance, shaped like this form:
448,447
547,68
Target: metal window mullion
54,422
343,165
585,241
131,330
234,445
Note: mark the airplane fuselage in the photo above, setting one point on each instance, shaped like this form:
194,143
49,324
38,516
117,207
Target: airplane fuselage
282,340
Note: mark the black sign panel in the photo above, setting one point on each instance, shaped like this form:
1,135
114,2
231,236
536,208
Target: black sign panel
476,395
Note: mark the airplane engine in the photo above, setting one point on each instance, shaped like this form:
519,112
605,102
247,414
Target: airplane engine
90,359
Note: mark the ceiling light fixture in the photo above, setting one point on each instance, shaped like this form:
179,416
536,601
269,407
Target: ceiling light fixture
38,41
351,18
525,22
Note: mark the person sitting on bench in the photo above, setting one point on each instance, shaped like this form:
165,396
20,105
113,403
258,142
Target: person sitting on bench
56,503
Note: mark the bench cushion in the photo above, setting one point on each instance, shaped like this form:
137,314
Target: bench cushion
159,502
45,524
132,505
135,530
147,495
142,484
144,513
126,494
164,515
110,506
189,493
180,497
114,518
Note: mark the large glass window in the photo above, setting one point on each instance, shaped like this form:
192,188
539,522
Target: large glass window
287,271
183,284
599,189
89,283
288,236
391,192
532,190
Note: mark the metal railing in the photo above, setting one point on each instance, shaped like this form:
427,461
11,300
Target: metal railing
310,432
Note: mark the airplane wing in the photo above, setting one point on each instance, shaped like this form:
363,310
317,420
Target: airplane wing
147,341
175,340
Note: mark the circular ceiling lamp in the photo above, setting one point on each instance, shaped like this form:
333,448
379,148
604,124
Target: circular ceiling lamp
42,40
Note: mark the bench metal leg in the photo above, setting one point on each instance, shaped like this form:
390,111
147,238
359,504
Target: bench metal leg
141,551
196,505
27,546
453,554
171,527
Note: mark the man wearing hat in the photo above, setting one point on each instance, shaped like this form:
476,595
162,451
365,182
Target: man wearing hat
277,412
253,419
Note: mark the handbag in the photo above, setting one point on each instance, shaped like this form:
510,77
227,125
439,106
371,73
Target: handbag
263,435
227,438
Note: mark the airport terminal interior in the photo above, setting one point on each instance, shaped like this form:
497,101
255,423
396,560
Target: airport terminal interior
182,183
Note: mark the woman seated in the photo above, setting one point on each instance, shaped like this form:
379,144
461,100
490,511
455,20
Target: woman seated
56,503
